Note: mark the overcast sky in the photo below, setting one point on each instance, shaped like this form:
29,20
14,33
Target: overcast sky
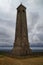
8,15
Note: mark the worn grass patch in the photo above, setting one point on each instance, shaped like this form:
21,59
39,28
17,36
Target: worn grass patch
26,61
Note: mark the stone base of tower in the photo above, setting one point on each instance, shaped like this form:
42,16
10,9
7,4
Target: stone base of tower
19,51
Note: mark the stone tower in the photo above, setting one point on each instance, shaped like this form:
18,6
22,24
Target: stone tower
21,44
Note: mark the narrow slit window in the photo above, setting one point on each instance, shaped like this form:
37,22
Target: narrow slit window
18,11
23,10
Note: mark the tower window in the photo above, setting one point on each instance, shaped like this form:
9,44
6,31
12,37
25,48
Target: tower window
18,11
23,10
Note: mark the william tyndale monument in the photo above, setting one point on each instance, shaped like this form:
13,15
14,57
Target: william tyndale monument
21,44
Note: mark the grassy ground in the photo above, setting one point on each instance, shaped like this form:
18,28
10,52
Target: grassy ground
4,60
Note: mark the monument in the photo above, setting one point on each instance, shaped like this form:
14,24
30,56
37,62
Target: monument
21,44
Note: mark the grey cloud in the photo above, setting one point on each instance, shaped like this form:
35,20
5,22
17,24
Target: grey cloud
23,1
10,23
32,20
40,37
37,28
5,38
40,28
39,2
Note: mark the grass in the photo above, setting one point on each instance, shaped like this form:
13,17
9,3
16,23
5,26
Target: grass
4,60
